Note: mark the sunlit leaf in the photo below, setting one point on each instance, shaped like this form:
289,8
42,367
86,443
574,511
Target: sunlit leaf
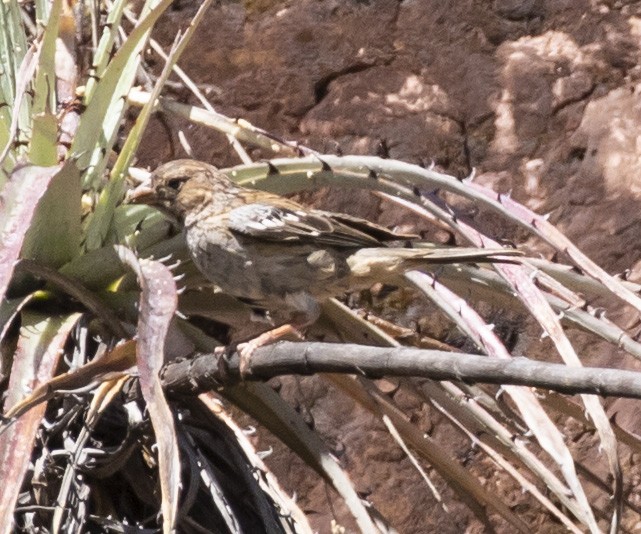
100,121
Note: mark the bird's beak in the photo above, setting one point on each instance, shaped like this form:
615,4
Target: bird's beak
143,194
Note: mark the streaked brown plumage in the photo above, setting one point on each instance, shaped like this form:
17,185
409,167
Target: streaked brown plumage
275,252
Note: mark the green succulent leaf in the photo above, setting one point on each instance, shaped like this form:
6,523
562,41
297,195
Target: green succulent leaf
13,47
54,236
113,192
99,122
44,98
44,134
105,47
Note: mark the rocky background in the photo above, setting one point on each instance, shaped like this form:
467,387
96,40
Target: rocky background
540,97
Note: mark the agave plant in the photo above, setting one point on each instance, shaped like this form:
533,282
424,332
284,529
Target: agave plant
91,313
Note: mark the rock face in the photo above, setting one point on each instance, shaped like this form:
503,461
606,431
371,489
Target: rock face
541,97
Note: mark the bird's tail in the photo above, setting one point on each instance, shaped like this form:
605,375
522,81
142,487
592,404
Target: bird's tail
383,262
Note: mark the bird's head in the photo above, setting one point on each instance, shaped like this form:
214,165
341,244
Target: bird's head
179,186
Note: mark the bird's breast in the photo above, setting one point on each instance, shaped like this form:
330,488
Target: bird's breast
265,271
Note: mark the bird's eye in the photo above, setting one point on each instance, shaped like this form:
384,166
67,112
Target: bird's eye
175,183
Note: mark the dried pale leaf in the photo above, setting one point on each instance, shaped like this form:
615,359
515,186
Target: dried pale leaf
466,408
113,364
546,317
571,409
356,328
340,314
212,119
401,443
523,481
66,61
267,480
479,283
475,496
539,225
262,403
519,277
529,407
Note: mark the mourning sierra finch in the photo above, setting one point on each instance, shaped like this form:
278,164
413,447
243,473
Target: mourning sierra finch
277,253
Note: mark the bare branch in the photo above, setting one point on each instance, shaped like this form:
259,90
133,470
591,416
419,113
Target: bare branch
207,371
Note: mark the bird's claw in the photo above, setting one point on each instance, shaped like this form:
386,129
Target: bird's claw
246,350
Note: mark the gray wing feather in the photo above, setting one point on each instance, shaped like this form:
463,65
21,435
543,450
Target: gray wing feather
276,223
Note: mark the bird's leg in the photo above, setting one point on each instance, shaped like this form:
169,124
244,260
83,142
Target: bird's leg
247,349
306,311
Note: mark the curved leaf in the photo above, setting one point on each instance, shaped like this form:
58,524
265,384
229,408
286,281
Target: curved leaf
19,198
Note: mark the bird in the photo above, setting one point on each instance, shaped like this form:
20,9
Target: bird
276,253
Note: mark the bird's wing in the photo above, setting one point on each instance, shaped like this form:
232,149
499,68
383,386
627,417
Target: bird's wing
375,230
290,222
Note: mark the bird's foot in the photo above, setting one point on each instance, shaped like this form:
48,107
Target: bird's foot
247,349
